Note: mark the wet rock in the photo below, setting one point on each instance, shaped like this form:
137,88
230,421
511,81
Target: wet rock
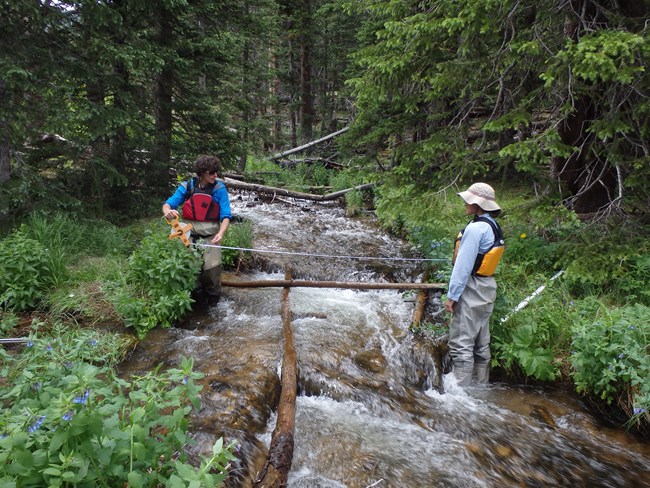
373,361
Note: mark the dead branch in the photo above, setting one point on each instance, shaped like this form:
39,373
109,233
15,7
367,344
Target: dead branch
309,144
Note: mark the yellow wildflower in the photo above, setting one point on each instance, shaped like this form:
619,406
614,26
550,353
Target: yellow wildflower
522,236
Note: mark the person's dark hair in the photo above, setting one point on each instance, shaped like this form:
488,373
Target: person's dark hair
203,164
494,213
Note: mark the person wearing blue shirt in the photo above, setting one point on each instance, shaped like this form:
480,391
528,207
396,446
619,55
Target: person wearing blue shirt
205,205
470,297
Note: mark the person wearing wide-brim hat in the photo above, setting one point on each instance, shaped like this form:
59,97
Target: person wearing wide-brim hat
472,288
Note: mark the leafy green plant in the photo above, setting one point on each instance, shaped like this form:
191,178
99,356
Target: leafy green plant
611,359
524,349
240,234
353,203
68,420
155,290
8,321
26,271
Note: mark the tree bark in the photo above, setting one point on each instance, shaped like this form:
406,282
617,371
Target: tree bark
280,455
590,180
5,151
306,95
163,95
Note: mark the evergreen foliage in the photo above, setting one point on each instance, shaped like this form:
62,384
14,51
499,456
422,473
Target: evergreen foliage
449,90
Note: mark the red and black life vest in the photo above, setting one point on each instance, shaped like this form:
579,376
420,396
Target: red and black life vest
199,205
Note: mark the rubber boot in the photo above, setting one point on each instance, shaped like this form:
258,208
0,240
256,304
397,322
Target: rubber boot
463,372
481,373
211,280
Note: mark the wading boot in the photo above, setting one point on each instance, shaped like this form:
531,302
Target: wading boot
481,373
463,372
211,279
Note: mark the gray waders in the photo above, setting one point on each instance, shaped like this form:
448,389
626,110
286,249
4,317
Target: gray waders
469,331
210,279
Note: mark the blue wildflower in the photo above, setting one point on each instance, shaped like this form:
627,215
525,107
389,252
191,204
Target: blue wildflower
639,410
34,427
67,365
37,386
185,379
621,356
632,327
93,342
68,415
80,400
30,343
48,348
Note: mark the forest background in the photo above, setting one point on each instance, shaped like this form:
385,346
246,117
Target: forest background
103,104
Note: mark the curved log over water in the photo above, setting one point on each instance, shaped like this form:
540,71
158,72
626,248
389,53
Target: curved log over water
280,456
333,284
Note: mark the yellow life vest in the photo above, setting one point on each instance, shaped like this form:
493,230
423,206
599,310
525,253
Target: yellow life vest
486,263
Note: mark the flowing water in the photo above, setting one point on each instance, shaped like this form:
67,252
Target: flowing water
373,409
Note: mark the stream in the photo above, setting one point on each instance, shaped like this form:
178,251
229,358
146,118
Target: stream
374,409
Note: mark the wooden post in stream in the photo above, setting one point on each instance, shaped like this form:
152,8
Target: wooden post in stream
280,455
421,300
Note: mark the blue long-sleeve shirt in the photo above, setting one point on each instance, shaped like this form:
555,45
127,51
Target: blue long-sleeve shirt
219,195
478,237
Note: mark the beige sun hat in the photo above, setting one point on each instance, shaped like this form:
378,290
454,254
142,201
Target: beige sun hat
482,195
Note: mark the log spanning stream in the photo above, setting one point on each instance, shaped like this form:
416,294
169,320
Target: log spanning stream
373,408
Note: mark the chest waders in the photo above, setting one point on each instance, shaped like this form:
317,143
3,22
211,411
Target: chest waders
469,331
202,212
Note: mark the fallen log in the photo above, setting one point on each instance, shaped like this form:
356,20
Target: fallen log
309,144
280,455
333,284
270,190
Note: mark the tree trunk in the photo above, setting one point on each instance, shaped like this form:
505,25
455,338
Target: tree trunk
590,180
306,95
5,146
163,99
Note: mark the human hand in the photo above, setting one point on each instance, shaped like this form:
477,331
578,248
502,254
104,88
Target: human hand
171,214
217,239
450,305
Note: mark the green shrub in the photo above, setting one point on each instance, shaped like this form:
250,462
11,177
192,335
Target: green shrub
240,234
353,203
610,357
155,289
620,269
26,271
68,422
8,322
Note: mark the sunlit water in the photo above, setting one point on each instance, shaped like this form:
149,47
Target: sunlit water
374,409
